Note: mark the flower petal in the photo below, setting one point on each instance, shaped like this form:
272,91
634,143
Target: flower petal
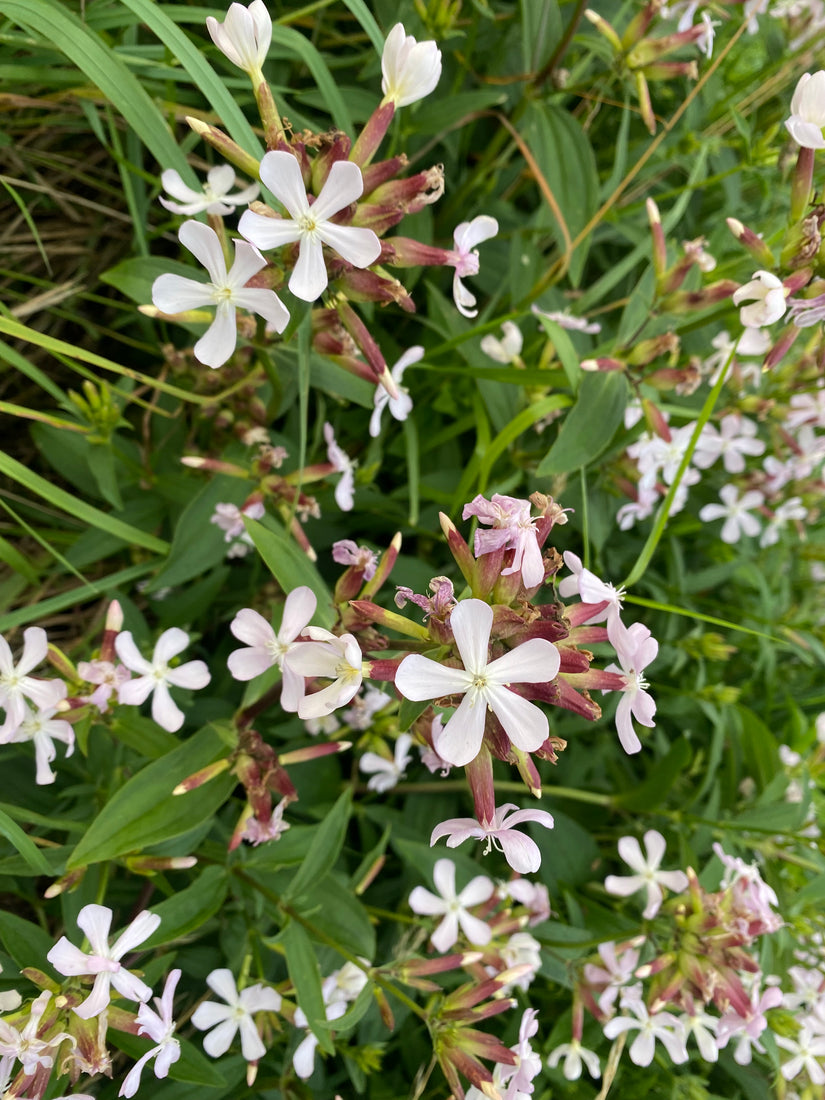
202,241
459,741
218,342
344,185
309,279
176,294
471,622
419,678
281,173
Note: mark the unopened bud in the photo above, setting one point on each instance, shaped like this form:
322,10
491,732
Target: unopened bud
229,149
65,884
197,779
148,865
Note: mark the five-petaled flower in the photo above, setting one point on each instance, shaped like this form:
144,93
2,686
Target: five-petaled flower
311,225
16,685
235,1015
636,648
464,258
156,674
648,876
520,851
338,659
226,290
213,199
160,1027
104,961
483,683
453,907
400,406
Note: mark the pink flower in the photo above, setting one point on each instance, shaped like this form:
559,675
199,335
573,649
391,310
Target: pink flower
158,1026
749,1027
636,648
453,907
107,675
156,675
16,685
345,489
648,876
104,961
235,1015
347,552
520,851
311,225
464,258
226,290
400,406
483,684
512,529
266,648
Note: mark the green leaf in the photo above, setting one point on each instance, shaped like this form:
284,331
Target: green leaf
356,1011
290,566
659,780
566,160
325,847
334,910
144,811
364,16
302,965
541,30
142,734
188,910
134,277
409,711
27,943
24,845
79,509
589,426
102,66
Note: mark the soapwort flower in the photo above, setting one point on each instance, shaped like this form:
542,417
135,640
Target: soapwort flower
453,907
226,290
160,1027
104,961
767,295
647,876
235,1015
213,199
156,674
736,512
808,111
521,852
400,406
483,684
43,729
338,659
511,528
244,36
16,685
311,226
636,648
464,258
384,774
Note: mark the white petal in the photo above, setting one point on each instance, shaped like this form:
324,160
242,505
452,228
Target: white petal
218,1041
471,622
169,645
631,853
655,845
218,342
165,711
248,262
344,185
203,243
524,723
35,648
193,675
359,247
535,661
309,279
173,183
140,929
222,982
176,294
130,654
264,302
221,179
268,232
419,678
444,878
281,173
475,929
424,903
460,740
250,627
521,852
95,921
469,234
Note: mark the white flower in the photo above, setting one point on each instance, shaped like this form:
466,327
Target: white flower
564,319
410,69
662,1026
158,1026
483,683
311,225
506,350
736,513
235,1015
768,295
215,197
636,648
364,708
464,258
808,1050
244,36
16,685
522,949
574,1054
43,729
734,440
104,961
303,1060
25,1046
808,111
156,675
591,590
334,658
648,876
266,648
453,907
227,290
345,489
521,852
386,773
788,511
401,406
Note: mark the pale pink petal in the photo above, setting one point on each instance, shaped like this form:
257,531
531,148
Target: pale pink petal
131,1082
424,903
457,830
292,690
260,998
476,930
520,851
250,627
6,659
130,986
628,737
642,1049
169,645
330,698
95,921
141,928
169,1054
35,648
246,664
677,881
444,878
135,692
68,959
97,1000
464,299
45,694
203,243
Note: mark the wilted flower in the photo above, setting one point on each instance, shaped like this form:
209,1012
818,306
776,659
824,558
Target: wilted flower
506,350
768,295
